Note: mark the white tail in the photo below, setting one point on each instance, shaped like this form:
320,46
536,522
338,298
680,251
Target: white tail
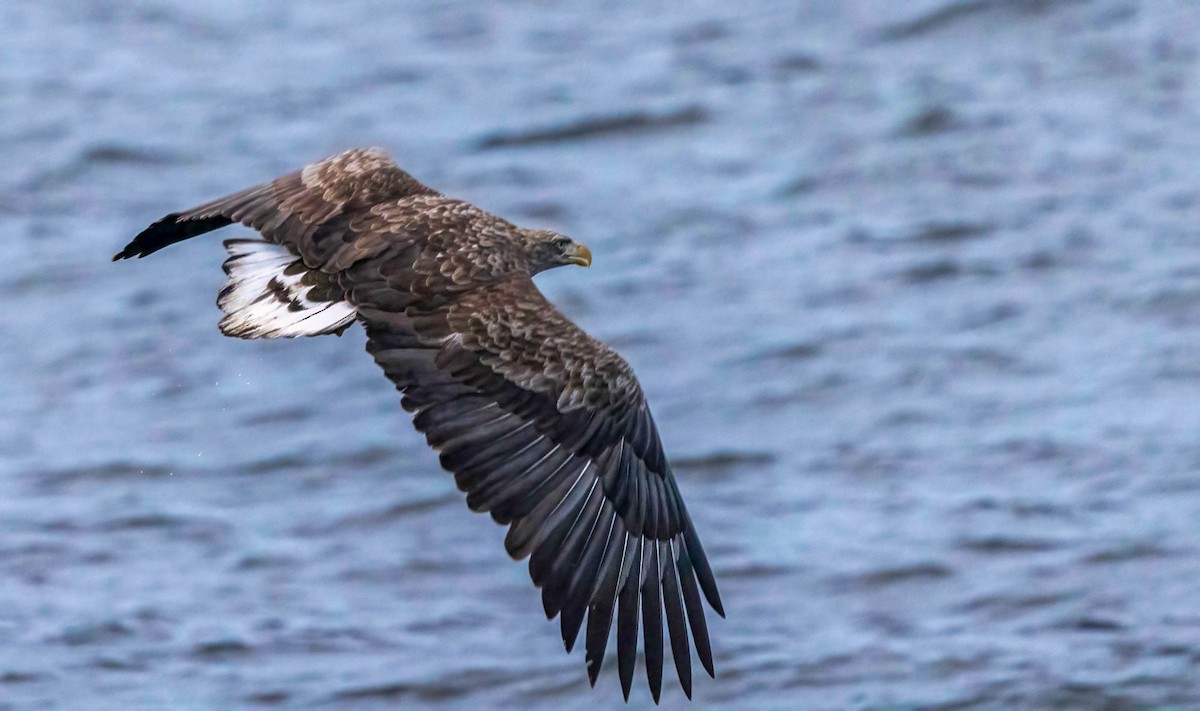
267,295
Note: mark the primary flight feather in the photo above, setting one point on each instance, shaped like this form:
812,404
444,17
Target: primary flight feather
543,426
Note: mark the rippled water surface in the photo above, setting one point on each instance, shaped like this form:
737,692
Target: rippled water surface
913,287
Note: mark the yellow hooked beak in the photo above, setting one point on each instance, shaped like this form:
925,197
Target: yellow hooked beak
580,255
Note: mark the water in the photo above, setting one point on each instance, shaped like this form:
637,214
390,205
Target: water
913,288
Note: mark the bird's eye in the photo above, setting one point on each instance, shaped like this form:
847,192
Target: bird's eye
562,242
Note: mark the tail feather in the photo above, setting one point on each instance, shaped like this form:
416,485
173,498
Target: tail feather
270,294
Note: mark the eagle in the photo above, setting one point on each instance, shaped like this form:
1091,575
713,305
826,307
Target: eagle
542,426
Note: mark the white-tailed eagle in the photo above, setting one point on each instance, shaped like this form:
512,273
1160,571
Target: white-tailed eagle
543,426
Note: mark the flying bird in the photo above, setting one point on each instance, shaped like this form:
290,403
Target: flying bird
542,426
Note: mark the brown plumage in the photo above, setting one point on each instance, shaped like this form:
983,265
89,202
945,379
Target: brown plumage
543,426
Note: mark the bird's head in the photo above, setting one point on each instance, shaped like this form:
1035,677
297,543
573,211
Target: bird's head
549,249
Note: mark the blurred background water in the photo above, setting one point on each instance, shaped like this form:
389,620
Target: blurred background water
913,288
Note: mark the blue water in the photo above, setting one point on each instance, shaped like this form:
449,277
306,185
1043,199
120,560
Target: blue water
913,289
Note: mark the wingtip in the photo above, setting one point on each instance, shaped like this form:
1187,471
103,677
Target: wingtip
708,585
168,230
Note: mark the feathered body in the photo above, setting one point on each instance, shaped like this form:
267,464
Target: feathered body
543,426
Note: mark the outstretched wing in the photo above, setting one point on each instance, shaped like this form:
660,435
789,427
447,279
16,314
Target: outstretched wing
318,212
547,429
